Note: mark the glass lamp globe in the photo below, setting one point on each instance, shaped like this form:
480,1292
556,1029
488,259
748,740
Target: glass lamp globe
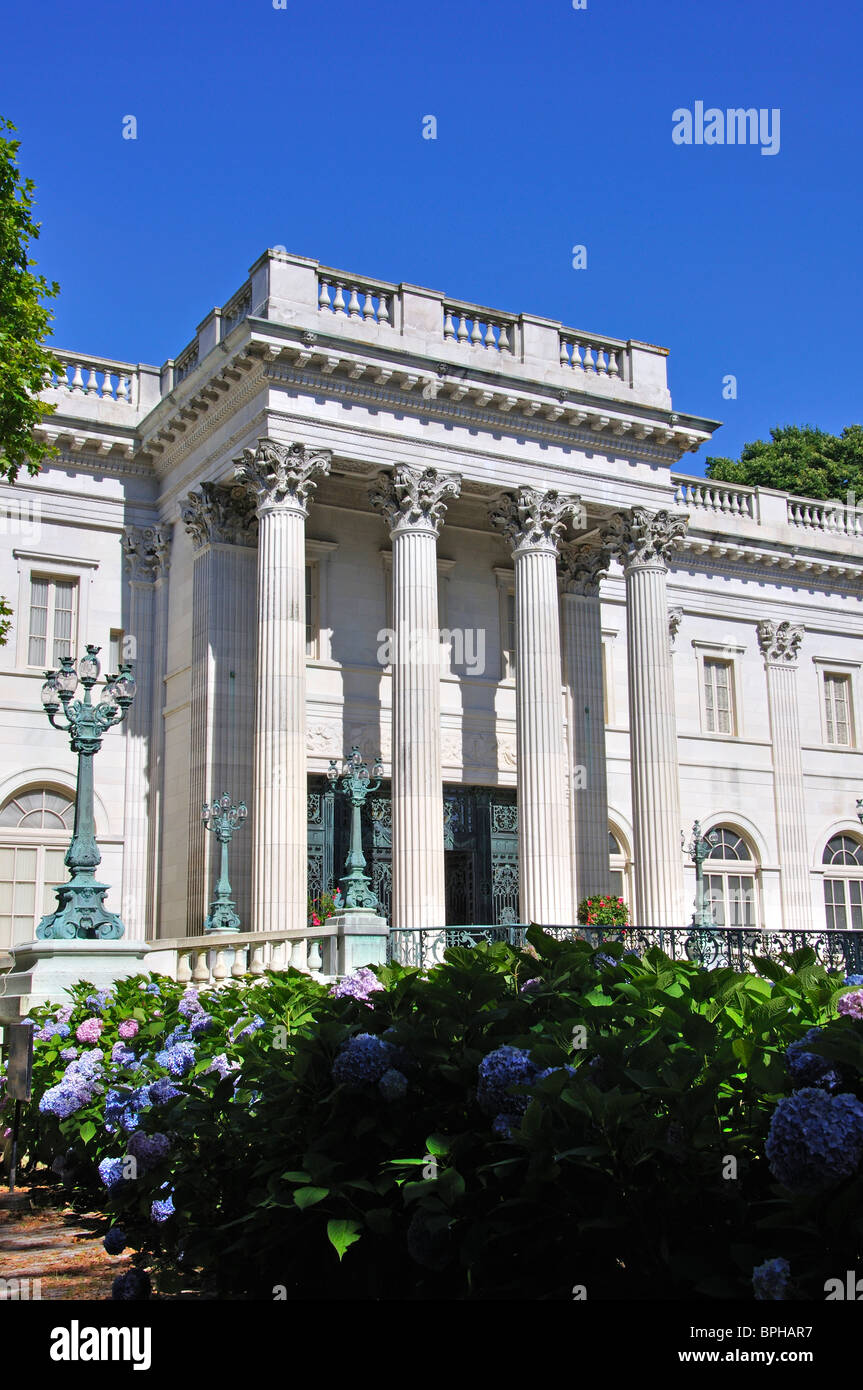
89,666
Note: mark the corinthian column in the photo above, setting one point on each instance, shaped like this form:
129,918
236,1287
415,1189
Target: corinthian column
532,522
779,643
280,477
582,567
222,523
643,540
412,503
146,550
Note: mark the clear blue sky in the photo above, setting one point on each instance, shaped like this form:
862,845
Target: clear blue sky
302,127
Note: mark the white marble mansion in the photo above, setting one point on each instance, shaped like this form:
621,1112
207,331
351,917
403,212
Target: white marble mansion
350,512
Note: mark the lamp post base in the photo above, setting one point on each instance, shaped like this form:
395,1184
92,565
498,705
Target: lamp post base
44,970
361,939
221,918
81,914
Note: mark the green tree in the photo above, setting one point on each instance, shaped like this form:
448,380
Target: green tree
799,459
24,323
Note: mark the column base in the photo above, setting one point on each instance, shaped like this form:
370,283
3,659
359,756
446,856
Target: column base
44,969
361,939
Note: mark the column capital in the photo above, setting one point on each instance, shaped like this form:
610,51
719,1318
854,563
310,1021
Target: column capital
641,538
147,552
675,618
533,520
280,476
412,499
779,642
582,566
216,514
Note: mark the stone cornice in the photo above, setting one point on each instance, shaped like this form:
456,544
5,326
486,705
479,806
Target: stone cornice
744,557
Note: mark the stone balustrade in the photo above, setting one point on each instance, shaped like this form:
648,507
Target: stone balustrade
97,377
205,961
473,327
721,499
370,301
834,518
593,356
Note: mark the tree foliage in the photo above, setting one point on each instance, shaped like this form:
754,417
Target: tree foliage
799,459
24,321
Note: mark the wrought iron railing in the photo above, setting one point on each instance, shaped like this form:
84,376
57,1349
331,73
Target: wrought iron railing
711,949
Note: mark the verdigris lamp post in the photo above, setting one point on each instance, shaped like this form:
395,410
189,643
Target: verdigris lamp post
361,931
223,818
356,786
81,912
698,849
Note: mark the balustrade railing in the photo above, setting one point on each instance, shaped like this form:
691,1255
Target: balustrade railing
95,376
349,296
722,499
592,356
479,328
836,518
186,363
218,960
238,307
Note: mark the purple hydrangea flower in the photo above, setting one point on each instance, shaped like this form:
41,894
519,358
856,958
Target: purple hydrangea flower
253,1026
531,986
815,1139
505,1067
393,1084
851,1005
189,1004
362,1060
807,1068
148,1150
97,1001
69,1054
358,986
64,1014
115,1241
62,1101
770,1280
503,1125
121,1055
152,988
52,1029
201,1023
134,1284
221,1064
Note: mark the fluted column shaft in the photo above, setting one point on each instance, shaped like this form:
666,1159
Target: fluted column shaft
532,521
582,663
780,643
643,540
280,477
412,502
146,552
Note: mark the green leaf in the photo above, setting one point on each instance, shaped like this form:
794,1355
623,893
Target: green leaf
309,1196
87,1131
342,1234
438,1144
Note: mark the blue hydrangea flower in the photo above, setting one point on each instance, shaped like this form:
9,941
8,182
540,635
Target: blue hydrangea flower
134,1284
221,1064
770,1280
162,1209
252,1027
148,1150
201,1023
96,1002
162,1091
531,986
123,1108
51,1030
358,986
815,1139
69,1054
115,1241
505,1067
178,1059
62,1101
182,1033
393,1084
503,1125
854,979
111,1172
121,1055
152,988
362,1060
807,1068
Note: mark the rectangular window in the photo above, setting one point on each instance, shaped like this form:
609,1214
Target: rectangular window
840,896
718,702
53,617
837,708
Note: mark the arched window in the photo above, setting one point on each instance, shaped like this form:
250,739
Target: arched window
35,827
843,882
620,866
731,880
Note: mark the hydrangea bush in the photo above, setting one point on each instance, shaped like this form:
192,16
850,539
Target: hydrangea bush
506,1125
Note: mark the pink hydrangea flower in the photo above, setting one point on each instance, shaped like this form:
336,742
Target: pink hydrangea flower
128,1028
90,1030
852,1004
